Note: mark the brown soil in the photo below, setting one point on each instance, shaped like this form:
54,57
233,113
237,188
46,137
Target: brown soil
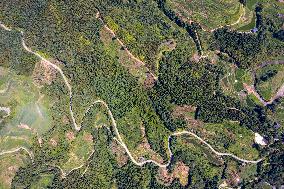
195,57
53,142
24,126
144,149
65,119
150,81
180,172
88,137
43,74
165,176
7,175
180,111
120,154
70,136
234,178
40,141
125,56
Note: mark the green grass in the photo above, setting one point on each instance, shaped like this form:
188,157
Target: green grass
113,48
234,78
22,98
239,140
44,181
253,100
250,4
208,13
269,88
79,151
249,26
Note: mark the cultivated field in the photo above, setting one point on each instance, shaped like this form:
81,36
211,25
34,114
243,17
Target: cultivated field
208,13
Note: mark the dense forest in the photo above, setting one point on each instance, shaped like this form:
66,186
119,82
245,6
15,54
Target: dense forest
69,34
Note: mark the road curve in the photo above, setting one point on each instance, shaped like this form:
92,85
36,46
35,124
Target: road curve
119,138
17,150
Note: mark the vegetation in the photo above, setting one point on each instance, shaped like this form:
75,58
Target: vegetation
269,80
201,85
210,13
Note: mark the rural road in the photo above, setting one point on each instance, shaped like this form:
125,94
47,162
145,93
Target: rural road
117,134
251,88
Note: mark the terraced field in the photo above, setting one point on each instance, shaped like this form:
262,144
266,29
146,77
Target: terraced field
208,13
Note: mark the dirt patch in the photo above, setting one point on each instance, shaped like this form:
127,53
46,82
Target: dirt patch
7,175
181,111
186,112
53,142
150,81
143,150
13,168
180,172
120,154
70,136
165,177
65,119
234,179
169,45
127,61
135,66
24,126
40,141
195,57
88,137
43,74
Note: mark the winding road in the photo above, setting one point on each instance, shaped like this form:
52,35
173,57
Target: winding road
17,150
251,88
114,124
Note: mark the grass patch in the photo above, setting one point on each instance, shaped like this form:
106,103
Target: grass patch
269,80
251,3
114,49
80,149
249,26
44,181
231,137
209,13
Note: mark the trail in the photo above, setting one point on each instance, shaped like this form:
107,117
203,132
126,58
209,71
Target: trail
117,134
17,150
251,89
235,23
280,92
124,47
77,128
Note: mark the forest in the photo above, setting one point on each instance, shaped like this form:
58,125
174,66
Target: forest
69,34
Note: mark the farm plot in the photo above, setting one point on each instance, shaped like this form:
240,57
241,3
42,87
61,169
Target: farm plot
208,13
9,165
